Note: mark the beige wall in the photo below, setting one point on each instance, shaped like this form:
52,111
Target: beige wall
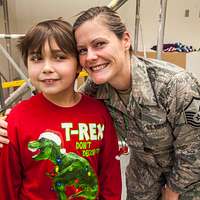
5,66
178,27
24,13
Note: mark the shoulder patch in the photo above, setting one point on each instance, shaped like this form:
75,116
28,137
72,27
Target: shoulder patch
192,112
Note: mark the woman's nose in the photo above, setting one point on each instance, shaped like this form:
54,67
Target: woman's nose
91,55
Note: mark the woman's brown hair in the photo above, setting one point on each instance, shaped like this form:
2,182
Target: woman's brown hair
110,18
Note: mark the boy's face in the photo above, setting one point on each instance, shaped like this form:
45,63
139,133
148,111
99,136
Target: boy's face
52,72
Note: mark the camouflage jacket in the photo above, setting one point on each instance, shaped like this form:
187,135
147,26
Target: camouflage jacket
161,122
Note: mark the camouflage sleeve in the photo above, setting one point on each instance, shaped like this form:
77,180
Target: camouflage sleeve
183,100
88,87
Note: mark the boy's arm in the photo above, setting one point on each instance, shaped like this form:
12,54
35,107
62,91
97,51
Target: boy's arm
110,173
10,170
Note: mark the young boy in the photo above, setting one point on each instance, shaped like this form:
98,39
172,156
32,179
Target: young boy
56,120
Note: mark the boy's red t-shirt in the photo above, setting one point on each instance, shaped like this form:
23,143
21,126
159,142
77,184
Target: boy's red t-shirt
85,128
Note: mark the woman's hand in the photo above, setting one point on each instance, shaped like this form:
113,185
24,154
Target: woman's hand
3,131
169,194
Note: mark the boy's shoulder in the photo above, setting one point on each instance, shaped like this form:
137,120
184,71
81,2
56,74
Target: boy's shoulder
91,102
26,104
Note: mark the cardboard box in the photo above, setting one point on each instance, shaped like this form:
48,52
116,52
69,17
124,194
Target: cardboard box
178,58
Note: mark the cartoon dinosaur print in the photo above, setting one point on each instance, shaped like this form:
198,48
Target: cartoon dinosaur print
70,169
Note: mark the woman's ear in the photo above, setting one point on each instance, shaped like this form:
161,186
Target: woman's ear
126,40
79,69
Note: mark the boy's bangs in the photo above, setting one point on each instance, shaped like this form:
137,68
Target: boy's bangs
37,42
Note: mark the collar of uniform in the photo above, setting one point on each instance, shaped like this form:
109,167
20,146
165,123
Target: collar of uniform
103,92
141,85
107,93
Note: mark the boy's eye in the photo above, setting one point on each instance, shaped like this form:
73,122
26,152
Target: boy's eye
35,57
60,57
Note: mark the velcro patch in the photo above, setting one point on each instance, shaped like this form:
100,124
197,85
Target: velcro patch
192,112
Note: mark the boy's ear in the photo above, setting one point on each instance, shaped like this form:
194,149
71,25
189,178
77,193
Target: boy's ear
126,40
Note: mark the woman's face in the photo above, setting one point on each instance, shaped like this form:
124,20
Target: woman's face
101,53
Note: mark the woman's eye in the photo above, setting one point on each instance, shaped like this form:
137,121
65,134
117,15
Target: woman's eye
82,51
99,44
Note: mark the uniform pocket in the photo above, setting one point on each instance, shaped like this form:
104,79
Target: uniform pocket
156,131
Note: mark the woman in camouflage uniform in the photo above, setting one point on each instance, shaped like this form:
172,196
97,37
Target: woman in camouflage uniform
155,106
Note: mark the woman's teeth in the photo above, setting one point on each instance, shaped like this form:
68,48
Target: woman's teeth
99,67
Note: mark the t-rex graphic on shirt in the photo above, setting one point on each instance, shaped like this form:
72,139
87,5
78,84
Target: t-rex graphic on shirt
70,169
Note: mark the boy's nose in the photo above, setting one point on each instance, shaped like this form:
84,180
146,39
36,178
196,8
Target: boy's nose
48,67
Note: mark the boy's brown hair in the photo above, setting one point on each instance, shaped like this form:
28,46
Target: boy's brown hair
56,29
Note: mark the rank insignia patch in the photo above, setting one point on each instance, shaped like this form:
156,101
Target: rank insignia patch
192,112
